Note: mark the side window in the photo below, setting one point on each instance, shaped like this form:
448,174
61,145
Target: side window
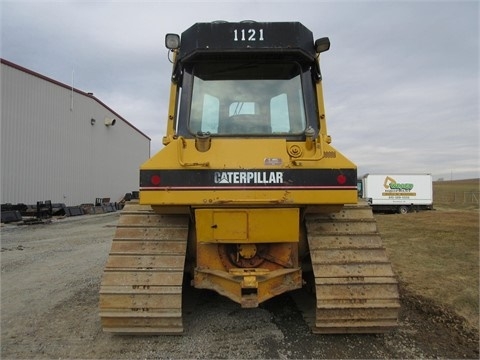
204,109
287,113
279,114
210,114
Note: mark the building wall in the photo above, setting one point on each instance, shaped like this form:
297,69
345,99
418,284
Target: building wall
51,151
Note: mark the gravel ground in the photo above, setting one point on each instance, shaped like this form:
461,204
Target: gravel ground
50,277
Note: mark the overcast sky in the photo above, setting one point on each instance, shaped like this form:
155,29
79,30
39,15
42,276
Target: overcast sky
401,79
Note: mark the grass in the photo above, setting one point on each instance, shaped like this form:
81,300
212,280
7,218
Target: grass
436,253
458,194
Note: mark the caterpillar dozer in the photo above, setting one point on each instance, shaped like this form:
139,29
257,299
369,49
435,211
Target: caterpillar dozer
248,197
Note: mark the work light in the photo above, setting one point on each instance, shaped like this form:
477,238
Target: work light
172,41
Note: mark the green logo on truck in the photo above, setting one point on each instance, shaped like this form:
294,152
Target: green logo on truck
397,189
404,187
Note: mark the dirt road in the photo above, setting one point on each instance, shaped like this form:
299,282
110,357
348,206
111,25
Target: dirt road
50,276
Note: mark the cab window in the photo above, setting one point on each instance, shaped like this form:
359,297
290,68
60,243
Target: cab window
243,99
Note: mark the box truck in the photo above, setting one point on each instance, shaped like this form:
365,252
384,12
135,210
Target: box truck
397,192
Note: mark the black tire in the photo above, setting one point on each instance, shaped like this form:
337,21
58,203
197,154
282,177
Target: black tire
403,209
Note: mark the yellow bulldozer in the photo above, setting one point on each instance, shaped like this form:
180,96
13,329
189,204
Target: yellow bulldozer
248,197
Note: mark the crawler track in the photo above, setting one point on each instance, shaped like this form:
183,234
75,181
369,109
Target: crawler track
141,290
356,290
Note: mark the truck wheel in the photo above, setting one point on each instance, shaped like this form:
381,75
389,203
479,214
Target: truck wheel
403,209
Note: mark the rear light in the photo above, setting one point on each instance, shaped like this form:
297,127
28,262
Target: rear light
341,179
155,180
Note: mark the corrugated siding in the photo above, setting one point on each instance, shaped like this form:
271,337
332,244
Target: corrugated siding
50,151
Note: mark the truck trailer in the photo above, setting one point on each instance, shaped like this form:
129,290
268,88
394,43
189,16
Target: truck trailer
400,193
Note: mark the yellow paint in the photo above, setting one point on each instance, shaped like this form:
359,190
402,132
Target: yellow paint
180,153
247,225
249,198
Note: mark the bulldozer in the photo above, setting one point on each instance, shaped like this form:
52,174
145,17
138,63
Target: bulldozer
248,197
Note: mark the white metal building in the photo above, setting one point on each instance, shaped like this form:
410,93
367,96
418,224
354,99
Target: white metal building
61,144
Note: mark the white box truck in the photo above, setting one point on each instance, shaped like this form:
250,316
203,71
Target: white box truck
397,192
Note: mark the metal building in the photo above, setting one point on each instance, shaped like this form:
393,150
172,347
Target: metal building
61,144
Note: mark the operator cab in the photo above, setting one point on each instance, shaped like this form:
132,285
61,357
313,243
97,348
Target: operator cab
246,79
